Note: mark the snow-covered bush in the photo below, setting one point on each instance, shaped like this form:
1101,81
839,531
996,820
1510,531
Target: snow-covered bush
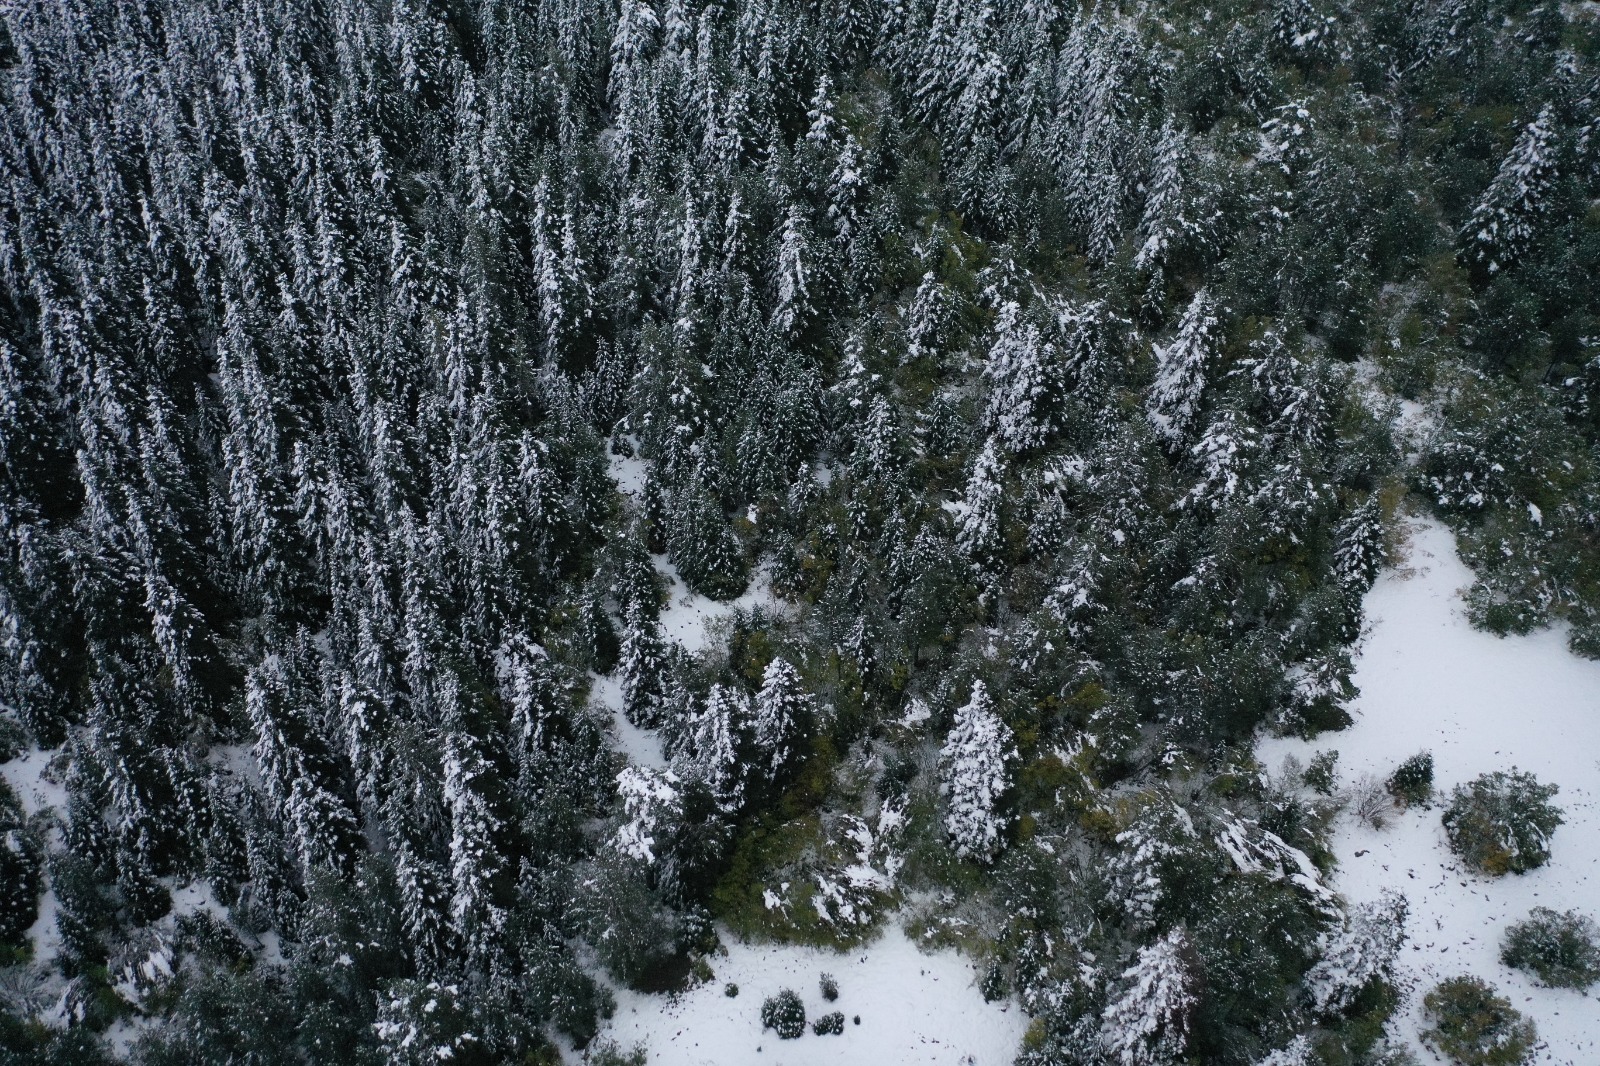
829,1024
1371,803
1474,1026
784,1014
1412,781
1562,948
829,987
1501,822
610,1053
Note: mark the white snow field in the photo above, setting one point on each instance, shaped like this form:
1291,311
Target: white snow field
914,1009
1479,703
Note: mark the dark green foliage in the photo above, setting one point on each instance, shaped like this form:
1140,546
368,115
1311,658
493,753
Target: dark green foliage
784,1014
1474,1026
610,1053
1501,822
21,874
1412,781
829,987
1561,948
1320,773
829,1024
318,353
730,990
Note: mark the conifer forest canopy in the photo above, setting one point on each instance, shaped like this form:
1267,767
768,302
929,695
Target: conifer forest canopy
378,376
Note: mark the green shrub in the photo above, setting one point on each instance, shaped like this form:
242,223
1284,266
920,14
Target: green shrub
730,990
1472,1025
1501,822
1562,949
1412,781
610,1053
829,1024
784,1014
1320,775
829,987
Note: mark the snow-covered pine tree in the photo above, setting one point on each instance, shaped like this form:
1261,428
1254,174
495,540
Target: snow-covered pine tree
720,742
1364,949
701,543
794,272
1358,548
1167,222
782,713
975,777
424,911
297,769
1094,137
1025,388
477,863
1223,456
1301,31
978,515
642,664
1148,1023
1181,368
1503,223
929,318
652,803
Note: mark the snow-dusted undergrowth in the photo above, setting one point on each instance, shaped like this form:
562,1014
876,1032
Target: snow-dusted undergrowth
1479,703
914,1008
687,619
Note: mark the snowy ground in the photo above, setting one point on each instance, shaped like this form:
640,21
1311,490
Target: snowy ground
1479,703
914,1008
37,790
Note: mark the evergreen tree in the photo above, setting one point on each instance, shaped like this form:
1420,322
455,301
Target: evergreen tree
1182,366
978,528
1025,390
783,712
642,666
701,544
976,777
720,740
1504,221
1149,1022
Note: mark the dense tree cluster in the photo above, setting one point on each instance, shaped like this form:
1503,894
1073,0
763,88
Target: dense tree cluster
1030,355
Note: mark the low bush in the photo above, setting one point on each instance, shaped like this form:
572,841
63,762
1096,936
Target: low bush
1371,803
784,1014
1472,1025
610,1053
1501,822
1323,772
1561,949
829,1024
829,987
1412,781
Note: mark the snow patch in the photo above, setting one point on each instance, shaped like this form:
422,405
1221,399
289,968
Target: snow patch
28,776
1480,703
914,1008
